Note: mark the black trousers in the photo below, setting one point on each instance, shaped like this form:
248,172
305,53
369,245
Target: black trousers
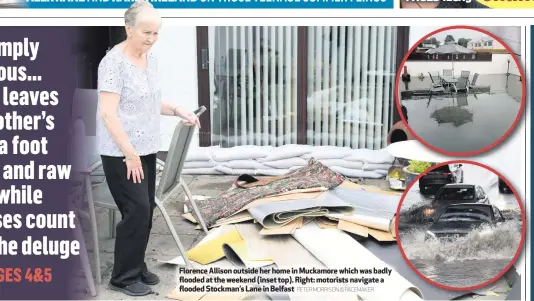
136,203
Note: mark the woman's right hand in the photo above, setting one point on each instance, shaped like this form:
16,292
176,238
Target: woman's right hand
134,169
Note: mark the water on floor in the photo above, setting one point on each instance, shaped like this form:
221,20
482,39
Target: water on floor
461,122
470,260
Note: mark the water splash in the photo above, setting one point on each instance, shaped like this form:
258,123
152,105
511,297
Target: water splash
484,243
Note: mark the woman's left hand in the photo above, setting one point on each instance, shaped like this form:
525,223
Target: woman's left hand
191,119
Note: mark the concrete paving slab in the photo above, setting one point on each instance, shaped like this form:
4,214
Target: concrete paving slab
164,245
181,225
211,185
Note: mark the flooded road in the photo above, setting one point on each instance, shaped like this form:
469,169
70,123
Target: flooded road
463,273
472,175
469,260
465,123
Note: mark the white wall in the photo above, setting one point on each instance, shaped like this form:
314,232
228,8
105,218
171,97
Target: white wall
176,51
498,65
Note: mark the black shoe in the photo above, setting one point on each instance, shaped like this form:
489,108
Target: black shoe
134,289
149,278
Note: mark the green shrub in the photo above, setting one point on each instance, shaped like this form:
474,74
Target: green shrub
418,166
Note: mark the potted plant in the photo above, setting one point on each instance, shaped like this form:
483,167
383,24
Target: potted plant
414,169
395,175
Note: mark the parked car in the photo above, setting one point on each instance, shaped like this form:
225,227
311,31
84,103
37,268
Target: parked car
503,187
436,178
441,176
459,219
455,194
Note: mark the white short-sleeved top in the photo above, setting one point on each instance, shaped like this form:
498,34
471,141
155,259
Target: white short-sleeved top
140,102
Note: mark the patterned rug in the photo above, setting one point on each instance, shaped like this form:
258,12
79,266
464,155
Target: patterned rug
313,175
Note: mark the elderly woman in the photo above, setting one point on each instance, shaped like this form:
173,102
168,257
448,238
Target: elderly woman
130,106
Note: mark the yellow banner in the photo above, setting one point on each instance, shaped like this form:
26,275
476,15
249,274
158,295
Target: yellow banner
508,3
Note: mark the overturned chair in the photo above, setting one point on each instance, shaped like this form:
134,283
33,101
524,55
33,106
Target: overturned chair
169,184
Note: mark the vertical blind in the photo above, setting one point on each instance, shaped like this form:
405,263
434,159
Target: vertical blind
253,83
350,85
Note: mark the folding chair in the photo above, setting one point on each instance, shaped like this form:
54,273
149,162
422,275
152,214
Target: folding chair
435,86
473,83
465,74
170,182
83,120
447,72
461,85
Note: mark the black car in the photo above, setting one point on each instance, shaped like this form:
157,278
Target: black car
440,176
460,219
455,194
503,187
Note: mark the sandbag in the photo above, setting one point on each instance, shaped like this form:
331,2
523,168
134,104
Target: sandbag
201,171
370,156
230,171
374,166
245,152
286,152
356,173
342,163
244,164
201,153
286,163
328,152
199,164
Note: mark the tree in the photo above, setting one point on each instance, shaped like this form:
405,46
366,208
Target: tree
463,42
432,41
449,39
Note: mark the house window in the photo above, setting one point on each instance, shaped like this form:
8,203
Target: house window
347,88
253,85
351,74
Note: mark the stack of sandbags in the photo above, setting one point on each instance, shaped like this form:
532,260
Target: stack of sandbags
241,159
354,163
275,161
283,159
200,161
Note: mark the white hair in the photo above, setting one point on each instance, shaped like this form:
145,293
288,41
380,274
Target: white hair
138,8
